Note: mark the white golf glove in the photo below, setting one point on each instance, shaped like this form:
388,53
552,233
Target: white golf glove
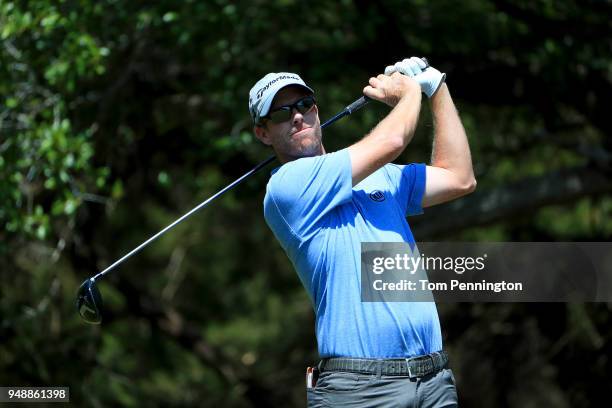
429,78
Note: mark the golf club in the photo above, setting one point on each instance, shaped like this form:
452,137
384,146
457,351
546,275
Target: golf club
89,300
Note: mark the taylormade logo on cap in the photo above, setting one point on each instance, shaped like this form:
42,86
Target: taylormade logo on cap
263,92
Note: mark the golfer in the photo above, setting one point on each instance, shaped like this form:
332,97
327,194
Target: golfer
322,205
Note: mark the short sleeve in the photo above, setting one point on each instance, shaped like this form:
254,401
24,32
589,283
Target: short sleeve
408,184
304,191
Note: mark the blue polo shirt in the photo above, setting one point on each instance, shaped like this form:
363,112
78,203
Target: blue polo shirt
320,220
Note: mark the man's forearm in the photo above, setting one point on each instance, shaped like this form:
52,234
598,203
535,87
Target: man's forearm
388,139
401,122
451,150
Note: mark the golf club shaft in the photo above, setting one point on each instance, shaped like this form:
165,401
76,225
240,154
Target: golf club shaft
358,104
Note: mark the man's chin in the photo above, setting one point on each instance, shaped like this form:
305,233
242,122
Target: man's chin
313,148
307,151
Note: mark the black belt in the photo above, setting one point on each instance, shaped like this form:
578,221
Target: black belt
413,367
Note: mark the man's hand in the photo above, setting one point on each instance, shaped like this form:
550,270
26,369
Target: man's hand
390,89
428,78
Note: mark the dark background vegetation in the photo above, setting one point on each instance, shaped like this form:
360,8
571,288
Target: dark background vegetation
118,116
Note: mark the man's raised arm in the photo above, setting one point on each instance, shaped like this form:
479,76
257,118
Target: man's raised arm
450,174
389,138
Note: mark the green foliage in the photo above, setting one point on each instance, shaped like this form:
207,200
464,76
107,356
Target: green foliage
46,167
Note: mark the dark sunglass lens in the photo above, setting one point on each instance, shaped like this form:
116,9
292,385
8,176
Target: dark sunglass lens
89,302
305,105
280,116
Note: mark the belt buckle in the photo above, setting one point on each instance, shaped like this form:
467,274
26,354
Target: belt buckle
409,370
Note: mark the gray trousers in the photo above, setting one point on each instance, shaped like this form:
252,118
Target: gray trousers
342,389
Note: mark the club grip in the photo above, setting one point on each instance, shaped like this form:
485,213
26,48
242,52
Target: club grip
358,104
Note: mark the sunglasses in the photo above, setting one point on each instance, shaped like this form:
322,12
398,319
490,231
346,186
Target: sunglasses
284,113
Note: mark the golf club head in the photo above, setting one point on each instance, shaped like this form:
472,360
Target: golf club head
89,302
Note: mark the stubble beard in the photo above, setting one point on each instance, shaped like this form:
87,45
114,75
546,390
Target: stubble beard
308,146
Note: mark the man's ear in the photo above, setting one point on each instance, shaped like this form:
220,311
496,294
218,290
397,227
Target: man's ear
262,134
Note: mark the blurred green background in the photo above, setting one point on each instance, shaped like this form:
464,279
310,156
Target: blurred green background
117,117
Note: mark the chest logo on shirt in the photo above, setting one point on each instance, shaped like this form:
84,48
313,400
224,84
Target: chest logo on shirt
377,196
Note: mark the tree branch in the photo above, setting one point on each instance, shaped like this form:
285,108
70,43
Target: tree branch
505,201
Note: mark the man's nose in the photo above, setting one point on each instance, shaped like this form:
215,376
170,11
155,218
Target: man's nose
297,116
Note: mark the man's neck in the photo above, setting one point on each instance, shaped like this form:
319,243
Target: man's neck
286,159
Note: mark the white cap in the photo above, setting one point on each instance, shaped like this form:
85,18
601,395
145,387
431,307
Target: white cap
263,92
